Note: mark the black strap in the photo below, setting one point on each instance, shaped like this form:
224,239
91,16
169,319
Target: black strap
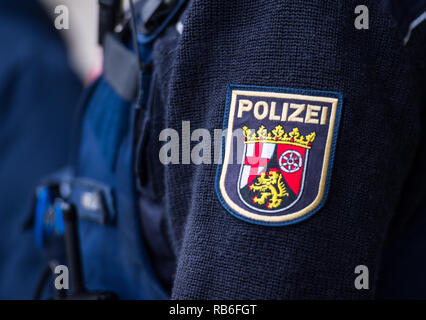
109,11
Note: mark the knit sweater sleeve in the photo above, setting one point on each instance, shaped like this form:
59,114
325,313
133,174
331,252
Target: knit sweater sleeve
311,45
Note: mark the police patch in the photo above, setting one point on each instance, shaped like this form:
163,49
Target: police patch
288,136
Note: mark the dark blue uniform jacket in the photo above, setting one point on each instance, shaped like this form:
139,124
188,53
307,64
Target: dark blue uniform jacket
377,184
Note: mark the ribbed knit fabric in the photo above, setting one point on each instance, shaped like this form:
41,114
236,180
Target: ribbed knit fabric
303,45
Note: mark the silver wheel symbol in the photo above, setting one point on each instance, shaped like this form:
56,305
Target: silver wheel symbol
290,161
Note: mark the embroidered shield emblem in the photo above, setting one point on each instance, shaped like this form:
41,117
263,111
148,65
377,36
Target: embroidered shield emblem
289,138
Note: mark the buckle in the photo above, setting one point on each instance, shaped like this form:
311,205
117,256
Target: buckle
94,202
67,219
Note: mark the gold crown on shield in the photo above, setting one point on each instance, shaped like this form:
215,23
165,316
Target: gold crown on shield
279,136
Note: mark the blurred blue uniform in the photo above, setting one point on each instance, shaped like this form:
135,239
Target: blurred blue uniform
38,92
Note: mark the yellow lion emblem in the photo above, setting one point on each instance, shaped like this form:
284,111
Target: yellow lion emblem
267,184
